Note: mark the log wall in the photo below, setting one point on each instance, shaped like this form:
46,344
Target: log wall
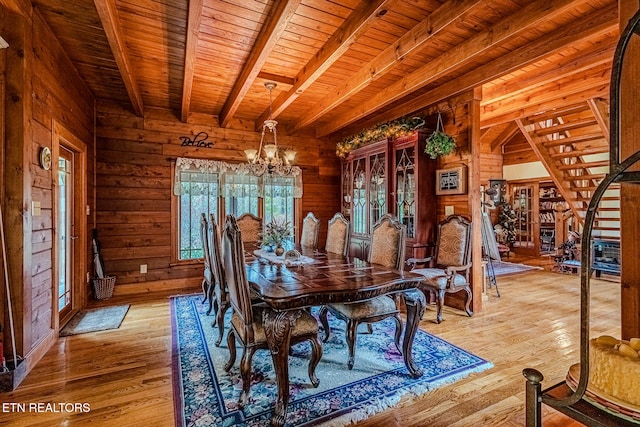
43,92
134,188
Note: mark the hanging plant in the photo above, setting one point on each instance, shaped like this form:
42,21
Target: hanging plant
391,129
439,143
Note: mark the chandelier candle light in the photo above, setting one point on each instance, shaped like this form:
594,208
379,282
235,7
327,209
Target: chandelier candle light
272,162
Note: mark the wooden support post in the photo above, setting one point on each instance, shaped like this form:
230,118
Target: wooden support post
630,193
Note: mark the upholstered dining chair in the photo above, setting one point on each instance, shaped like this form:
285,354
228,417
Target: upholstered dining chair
338,235
450,266
387,248
310,230
251,227
219,296
246,321
207,280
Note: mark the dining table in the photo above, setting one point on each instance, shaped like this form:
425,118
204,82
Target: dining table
307,278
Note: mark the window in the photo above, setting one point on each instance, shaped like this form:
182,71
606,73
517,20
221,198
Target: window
241,194
278,199
219,188
198,194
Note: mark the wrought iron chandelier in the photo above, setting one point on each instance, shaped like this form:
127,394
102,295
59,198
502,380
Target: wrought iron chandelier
267,158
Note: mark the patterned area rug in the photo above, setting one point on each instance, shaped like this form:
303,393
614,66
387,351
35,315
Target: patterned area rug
205,395
95,319
502,268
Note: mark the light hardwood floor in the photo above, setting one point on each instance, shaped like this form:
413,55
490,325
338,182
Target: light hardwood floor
125,374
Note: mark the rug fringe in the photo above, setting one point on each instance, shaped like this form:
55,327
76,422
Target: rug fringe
416,392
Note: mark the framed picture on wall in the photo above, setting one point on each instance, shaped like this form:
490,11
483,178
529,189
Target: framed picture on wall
451,181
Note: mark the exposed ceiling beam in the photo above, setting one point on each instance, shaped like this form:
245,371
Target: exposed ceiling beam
111,24
567,85
506,135
410,42
278,18
591,27
600,110
276,78
363,17
559,101
554,71
193,31
532,15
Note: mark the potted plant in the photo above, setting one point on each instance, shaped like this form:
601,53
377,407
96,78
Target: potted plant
439,143
274,235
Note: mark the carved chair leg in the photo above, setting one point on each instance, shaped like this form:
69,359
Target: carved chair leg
369,328
211,296
231,343
439,304
215,308
316,355
352,334
325,322
467,306
398,332
205,290
245,374
220,321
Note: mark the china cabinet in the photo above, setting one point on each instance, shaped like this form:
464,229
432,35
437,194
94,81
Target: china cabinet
391,175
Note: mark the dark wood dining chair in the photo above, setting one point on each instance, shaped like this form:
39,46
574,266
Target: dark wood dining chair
251,228
310,230
219,296
387,249
246,321
450,267
207,280
338,235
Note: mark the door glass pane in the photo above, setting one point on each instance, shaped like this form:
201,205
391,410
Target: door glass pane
65,188
523,206
378,188
405,189
359,213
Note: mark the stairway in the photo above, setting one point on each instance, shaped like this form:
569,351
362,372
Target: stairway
573,145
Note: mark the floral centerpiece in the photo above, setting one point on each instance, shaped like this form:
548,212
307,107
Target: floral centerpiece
275,234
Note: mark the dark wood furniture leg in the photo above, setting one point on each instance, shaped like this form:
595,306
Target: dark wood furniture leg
277,328
415,304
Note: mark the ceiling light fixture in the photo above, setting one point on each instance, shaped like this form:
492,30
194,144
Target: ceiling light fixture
267,157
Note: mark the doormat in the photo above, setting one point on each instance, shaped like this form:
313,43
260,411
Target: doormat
95,319
206,395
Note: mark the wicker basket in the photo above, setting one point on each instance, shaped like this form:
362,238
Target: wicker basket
103,287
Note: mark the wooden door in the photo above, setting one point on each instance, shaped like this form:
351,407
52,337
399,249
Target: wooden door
524,200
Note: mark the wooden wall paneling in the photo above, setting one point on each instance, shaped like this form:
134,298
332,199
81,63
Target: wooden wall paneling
630,193
17,187
134,193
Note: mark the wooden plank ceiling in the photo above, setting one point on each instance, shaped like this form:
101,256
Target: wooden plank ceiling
339,65
345,65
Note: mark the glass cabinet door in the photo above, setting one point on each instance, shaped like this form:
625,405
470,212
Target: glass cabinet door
406,188
377,188
346,189
359,197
